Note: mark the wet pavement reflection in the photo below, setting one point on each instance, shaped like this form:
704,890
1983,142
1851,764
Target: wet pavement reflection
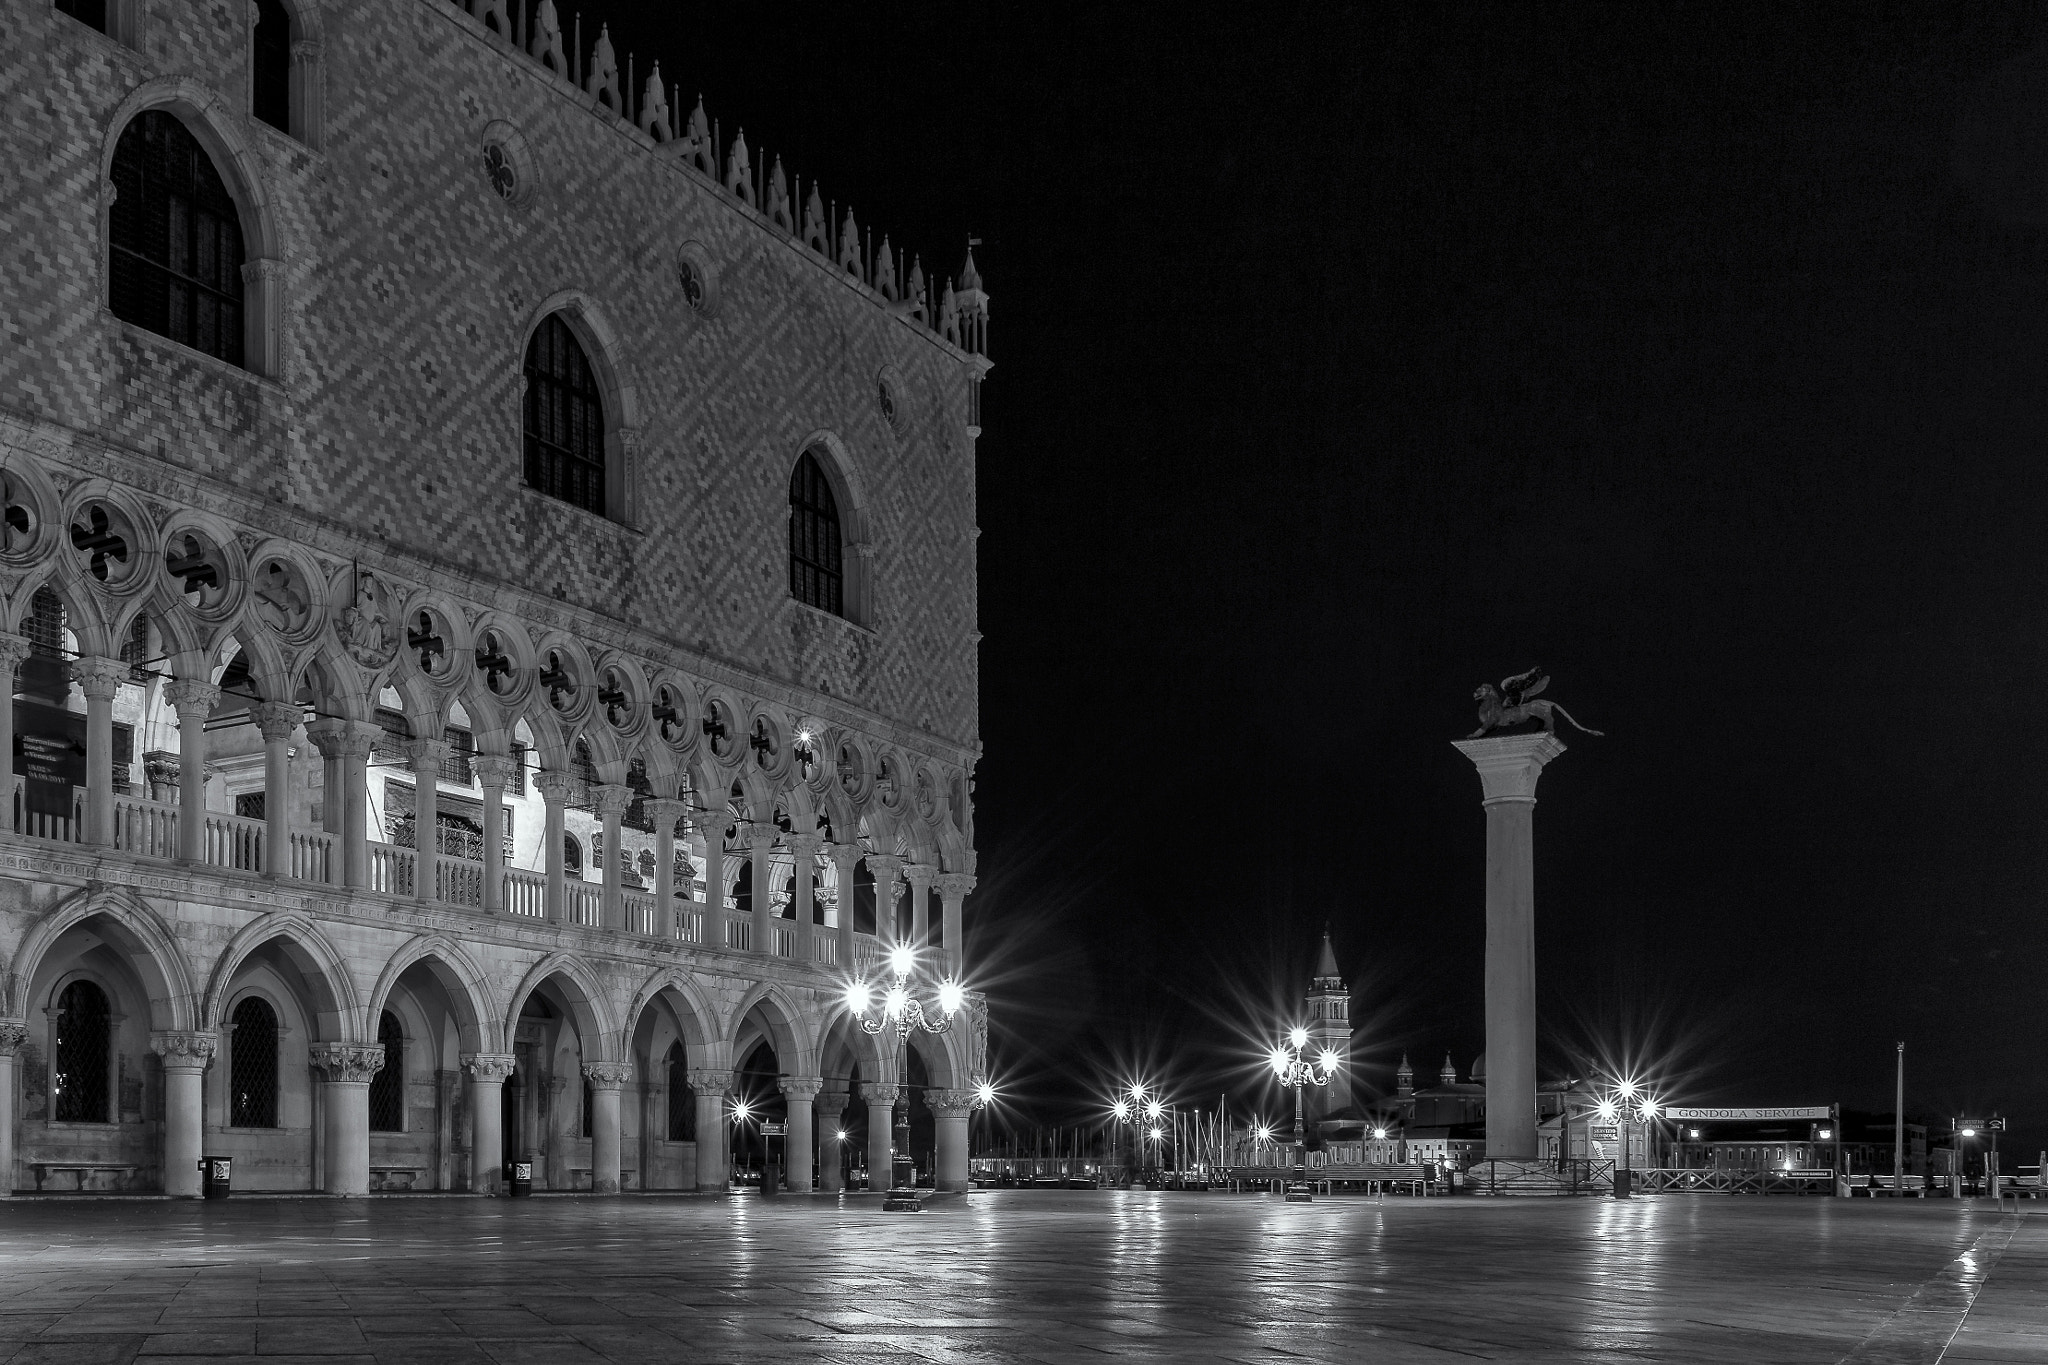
1037,1276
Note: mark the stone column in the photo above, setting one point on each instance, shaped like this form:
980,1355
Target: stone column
487,1073
13,1033
881,1102
194,702
185,1057
665,811
277,720
804,849
920,878
1508,768
494,772
830,1107
306,96
612,801
605,1079
951,1110
554,788
346,1098
346,747
711,826
13,650
953,889
711,1085
887,869
425,756
762,835
99,679
844,856
798,1092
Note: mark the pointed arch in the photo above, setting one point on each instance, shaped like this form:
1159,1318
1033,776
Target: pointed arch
217,126
139,932
847,489
469,990
784,1023
337,1007
591,328
698,1017
586,1003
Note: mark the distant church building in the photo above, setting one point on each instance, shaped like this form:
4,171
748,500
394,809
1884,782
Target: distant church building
487,565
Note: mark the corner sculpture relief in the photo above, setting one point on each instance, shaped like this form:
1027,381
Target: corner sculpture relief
1513,702
366,627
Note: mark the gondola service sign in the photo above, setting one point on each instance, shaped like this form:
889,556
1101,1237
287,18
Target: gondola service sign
1811,1111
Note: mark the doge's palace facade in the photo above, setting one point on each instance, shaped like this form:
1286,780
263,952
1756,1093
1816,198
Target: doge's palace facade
489,580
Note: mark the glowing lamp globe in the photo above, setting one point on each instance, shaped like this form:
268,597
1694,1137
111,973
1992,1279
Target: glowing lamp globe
950,996
985,1092
1327,1060
1379,1134
1121,1110
1606,1109
901,959
857,997
1158,1133
895,1002
1298,1037
1650,1110
1153,1110
1280,1060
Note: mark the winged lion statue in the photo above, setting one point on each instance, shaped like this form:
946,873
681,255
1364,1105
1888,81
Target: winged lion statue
1515,701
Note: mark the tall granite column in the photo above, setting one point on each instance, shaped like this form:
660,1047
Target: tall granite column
487,1074
346,1098
605,1079
185,1057
1508,768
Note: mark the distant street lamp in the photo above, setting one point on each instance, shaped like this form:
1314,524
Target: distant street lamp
1626,1105
1293,1070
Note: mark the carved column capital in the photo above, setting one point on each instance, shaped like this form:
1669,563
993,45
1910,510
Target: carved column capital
664,811
99,679
426,757
706,1080
801,1087
606,1075
955,885
494,772
264,271
763,832
13,649
805,845
846,855
919,875
339,740
191,697
306,50
348,1063
885,866
880,1094
951,1104
611,799
554,786
277,719
184,1051
492,1067
830,1104
13,1033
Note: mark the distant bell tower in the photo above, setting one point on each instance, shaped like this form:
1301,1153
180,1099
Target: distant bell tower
1329,1026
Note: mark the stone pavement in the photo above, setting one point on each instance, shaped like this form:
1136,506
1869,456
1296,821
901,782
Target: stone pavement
1020,1276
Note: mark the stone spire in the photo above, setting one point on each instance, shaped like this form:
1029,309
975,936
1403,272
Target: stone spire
1404,1077
1449,1075
1326,963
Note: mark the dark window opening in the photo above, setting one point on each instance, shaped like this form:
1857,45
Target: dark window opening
250,805
589,1102
682,1100
461,749
572,856
814,552
82,1055
135,649
863,898
517,786
45,625
176,239
91,13
252,1071
743,888
272,66
124,757
387,1087
564,418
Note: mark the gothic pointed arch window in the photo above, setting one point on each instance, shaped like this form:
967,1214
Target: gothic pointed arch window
564,422
387,1087
252,1065
816,570
175,239
81,1048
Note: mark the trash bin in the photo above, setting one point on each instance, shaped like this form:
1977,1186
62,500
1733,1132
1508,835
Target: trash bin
1623,1187
771,1178
522,1179
217,1174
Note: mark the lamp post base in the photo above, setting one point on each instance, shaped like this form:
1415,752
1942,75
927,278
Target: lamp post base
1298,1193
902,1201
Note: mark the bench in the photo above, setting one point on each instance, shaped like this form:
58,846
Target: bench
1875,1185
386,1179
82,1177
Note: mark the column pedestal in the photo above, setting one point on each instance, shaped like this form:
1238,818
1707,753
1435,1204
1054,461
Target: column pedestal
185,1057
1508,768
487,1073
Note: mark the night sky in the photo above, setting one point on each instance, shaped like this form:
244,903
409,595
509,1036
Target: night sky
1347,360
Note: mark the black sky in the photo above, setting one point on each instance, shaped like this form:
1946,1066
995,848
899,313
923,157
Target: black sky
1347,358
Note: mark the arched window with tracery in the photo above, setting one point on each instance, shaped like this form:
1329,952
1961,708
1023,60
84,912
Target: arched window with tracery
81,1048
682,1100
270,66
564,418
387,1087
816,570
175,239
252,1065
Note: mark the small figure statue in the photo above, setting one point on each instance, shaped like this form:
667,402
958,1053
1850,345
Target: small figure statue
365,629
1514,702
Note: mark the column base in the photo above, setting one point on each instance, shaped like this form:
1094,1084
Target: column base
902,1201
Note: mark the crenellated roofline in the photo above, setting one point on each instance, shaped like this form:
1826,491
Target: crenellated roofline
820,231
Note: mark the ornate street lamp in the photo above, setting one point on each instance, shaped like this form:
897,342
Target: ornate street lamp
1142,1110
1624,1106
1294,1070
902,1011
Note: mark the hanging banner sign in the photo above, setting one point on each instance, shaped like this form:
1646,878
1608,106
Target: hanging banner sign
49,753
1811,1111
